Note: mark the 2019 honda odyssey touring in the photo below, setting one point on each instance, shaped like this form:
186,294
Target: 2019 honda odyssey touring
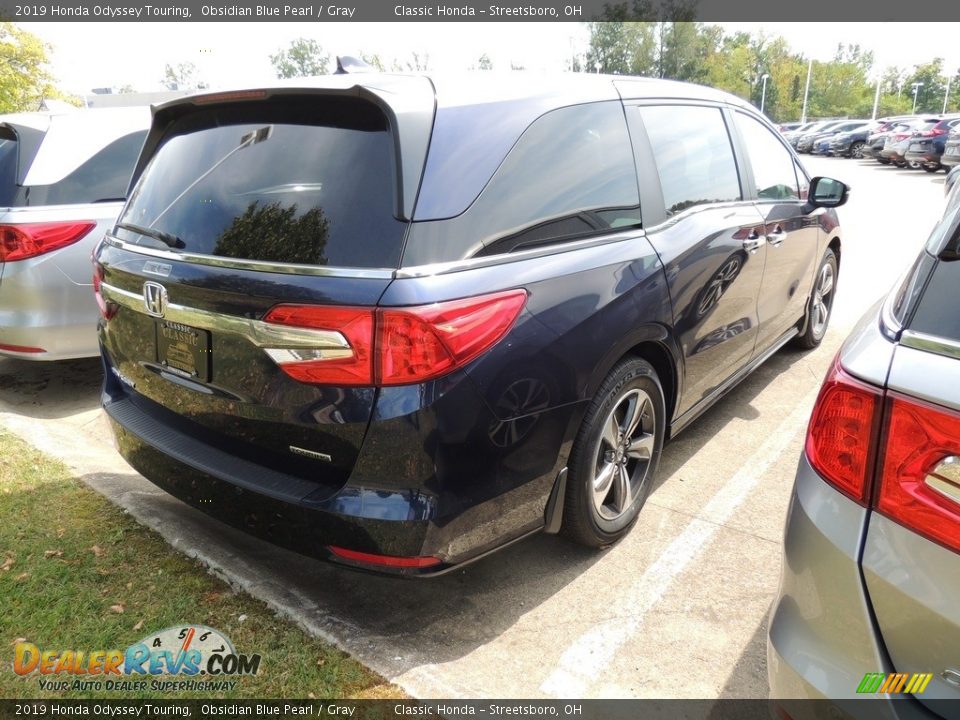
398,321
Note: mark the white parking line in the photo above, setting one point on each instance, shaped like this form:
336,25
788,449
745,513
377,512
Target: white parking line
582,664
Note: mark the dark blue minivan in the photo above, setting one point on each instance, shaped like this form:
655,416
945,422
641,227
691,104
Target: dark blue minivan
398,322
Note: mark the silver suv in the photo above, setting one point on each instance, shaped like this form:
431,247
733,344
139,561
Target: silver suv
871,574
63,180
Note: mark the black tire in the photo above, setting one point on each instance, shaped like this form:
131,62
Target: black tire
815,323
883,160
856,150
588,518
932,168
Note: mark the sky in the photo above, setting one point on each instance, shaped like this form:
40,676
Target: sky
89,54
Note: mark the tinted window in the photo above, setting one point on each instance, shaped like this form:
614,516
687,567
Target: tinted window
694,158
570,175
8,167
292,181
105,176
772,163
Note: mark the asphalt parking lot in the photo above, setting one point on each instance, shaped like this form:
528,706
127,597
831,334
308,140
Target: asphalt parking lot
677,609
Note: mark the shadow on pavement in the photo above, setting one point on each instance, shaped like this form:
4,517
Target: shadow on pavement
50,390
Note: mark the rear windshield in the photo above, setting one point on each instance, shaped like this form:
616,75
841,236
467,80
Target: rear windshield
8,166
300,180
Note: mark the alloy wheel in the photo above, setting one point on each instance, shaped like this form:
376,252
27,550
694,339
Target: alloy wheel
623,454
822,300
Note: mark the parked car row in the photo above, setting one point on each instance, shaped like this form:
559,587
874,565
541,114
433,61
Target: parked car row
930,142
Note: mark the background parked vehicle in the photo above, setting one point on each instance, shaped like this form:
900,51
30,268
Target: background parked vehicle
63,180
807,141
851,143
927,146
897,141
872,541
794,137
951,151
788,127
472,340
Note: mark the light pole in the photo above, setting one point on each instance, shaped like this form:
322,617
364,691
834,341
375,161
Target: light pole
763,95
946,95
876,98
916,90
806,92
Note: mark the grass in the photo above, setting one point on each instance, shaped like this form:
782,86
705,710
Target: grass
77,573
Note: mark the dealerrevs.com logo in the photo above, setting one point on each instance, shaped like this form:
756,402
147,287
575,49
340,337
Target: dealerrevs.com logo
185,651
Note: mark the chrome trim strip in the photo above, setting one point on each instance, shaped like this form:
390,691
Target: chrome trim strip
930,343
261,334
257,265
418,271
945,478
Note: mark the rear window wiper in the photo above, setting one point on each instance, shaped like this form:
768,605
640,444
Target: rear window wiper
164,237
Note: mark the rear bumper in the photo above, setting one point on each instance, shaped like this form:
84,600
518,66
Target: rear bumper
928,157
44,309
949,160
387,507
821,638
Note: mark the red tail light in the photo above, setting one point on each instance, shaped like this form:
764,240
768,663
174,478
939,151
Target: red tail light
922,440
394,346
19,242
418,344
343,355
841,436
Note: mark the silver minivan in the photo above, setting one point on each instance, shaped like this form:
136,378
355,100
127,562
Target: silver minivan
63,180
868,600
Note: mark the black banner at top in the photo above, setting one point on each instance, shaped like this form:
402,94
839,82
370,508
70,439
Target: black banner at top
307,11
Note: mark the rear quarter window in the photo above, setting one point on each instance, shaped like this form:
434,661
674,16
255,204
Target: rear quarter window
103,177
571,175
303,180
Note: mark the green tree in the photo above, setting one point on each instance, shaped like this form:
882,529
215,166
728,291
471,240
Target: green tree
304,58
373,60
275,233
930,86
183,76
418,62
24,78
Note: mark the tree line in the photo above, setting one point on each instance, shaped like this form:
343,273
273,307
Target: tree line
845,86
760,68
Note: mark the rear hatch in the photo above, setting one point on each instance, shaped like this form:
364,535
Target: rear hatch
251,211
911,558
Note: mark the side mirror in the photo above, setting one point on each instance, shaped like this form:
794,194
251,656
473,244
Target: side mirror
827,192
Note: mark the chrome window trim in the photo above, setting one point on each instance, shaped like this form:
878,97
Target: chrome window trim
256,265
930,343
330,343
412,271
454,266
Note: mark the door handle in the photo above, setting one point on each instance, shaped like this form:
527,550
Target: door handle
753,242
777,236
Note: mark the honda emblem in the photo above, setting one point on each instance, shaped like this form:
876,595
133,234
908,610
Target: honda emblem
155,298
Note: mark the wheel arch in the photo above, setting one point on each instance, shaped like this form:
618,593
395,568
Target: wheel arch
655,344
